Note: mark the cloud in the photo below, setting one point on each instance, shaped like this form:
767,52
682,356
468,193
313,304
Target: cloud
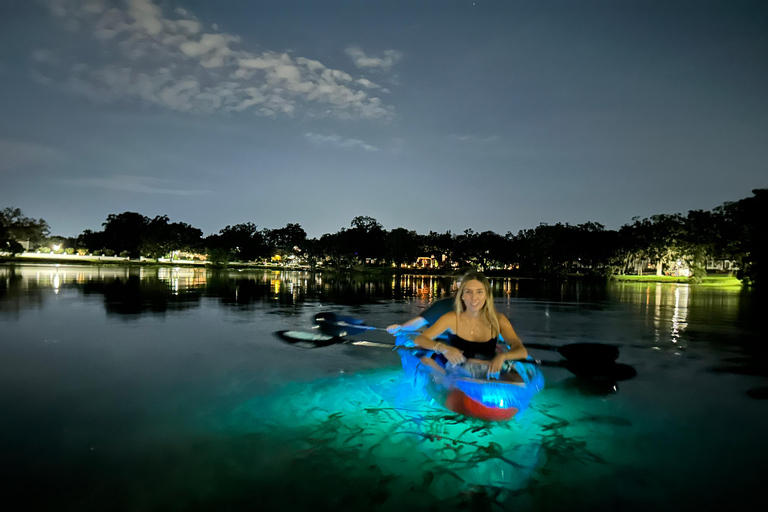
367,83
140,184
338,141
474,139
364,61
19,154
173,61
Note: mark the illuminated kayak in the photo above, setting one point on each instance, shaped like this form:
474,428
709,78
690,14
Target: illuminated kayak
458,391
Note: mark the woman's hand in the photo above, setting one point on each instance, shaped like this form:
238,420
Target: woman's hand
452,354
394,328
497,363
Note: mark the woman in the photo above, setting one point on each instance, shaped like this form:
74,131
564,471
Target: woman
473,331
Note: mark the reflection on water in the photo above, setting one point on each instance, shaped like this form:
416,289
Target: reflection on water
156,287
150,388
680,314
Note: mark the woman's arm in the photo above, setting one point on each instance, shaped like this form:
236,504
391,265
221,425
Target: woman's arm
414,324
516,351
426,339
428,316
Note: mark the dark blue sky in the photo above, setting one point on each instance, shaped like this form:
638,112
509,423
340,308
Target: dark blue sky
490,115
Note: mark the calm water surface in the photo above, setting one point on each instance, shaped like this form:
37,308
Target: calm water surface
165,389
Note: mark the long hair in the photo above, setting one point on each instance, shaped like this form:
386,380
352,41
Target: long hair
488,312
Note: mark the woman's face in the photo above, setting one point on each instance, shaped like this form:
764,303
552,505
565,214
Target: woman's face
473,295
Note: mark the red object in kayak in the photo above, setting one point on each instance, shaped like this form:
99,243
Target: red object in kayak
458,402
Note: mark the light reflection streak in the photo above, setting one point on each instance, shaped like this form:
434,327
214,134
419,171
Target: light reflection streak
179,279
657,316
668,310
680,313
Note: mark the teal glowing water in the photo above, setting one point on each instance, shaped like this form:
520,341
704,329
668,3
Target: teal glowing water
416,452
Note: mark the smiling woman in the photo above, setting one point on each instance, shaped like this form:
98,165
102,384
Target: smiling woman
473,374
473,331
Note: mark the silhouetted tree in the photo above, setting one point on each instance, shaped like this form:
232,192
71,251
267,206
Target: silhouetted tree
440,246
15,228
162,237
312,251
464,247
660,238
90,240
366,239
124,232
541,252
243,242
747,221
594,247
486,249
286,241
402,246
736,230
337,247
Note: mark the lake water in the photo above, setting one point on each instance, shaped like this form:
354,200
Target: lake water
166,389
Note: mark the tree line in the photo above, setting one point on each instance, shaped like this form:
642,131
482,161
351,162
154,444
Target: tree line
735,231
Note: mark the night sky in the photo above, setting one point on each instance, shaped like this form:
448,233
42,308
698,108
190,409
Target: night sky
428,115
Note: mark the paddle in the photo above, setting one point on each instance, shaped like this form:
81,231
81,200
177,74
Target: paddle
581,350
597,369
593,370
314,339
339,325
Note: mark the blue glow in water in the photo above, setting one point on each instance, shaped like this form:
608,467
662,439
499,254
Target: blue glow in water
379,415
376,419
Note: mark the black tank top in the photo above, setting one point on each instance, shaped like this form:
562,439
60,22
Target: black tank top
474,349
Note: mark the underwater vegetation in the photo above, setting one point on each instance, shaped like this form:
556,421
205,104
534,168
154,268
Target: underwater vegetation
381,442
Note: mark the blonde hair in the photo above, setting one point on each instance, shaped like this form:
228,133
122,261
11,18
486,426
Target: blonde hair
488,311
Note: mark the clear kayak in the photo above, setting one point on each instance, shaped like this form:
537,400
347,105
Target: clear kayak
458,391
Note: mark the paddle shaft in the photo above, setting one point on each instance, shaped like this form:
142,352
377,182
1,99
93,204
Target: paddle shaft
597,368
359,327
588,352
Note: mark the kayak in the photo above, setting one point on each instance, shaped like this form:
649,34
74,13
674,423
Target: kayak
457,389
481,398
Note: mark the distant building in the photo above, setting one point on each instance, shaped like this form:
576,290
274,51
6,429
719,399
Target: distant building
722,266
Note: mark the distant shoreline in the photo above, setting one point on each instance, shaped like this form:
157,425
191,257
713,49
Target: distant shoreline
117,261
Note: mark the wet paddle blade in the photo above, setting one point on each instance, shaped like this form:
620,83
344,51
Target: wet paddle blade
613,372
581,351
315,339
597,370
308,339
332,324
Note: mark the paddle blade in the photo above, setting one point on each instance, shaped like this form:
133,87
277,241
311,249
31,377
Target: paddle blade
612,372
332,324
592,370
582,351
592,351
308,339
